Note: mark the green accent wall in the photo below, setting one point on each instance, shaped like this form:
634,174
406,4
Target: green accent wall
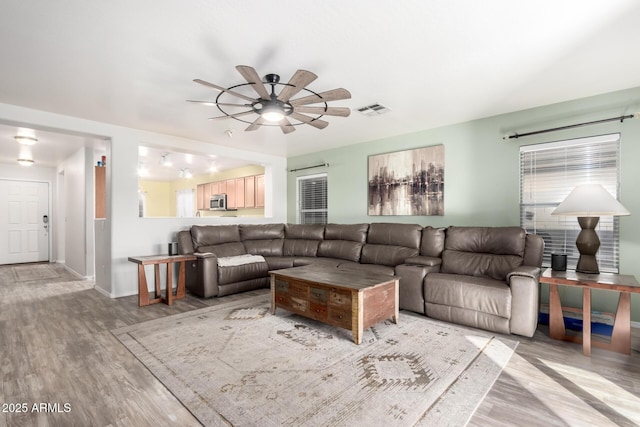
482,173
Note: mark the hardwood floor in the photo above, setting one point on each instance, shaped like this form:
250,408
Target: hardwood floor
56,348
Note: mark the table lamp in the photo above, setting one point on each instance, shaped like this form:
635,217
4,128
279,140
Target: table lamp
589,202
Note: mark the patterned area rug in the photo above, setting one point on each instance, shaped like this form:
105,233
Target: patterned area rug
236,364
29,272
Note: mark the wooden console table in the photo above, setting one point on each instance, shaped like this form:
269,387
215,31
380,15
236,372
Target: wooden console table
156,260
625,284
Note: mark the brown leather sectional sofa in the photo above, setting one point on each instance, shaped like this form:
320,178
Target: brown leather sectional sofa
484,277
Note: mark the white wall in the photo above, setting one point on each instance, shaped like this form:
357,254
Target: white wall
123,233
75,219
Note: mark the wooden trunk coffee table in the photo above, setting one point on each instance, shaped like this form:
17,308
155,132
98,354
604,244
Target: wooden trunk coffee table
347,299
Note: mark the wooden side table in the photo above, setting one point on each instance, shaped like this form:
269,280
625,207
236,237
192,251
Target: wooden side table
625,284
156,260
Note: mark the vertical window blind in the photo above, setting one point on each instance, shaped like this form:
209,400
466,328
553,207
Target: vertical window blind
548,173
312,199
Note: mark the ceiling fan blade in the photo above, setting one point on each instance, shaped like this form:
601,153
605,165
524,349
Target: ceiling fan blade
230,116
251,76
286,126
256,124
329,111
330,95
223,104
298,81
222,89
316,123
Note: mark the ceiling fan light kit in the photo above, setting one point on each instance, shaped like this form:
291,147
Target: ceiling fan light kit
25,140
277,109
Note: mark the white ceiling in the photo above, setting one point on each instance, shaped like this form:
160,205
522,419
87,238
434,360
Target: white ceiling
150,159
433,63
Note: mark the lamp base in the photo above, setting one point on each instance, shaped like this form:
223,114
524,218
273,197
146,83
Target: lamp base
587,264
588,244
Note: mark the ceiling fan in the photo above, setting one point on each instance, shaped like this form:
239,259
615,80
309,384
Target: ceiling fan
277,108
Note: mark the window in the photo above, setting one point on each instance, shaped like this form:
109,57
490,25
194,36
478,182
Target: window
548,173
184,203
312,199
142,204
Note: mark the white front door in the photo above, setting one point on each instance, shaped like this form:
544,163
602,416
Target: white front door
24,221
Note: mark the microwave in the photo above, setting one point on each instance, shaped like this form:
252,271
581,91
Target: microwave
218,202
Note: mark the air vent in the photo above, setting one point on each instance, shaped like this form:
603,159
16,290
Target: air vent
373,110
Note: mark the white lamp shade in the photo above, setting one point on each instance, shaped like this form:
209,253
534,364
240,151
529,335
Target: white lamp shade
590,200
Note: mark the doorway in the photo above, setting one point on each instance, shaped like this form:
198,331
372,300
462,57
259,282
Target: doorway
24,221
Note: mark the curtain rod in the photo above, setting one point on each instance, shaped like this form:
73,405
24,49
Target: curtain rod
309,167
621,119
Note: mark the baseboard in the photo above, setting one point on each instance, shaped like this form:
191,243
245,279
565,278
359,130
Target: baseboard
103,292
75,273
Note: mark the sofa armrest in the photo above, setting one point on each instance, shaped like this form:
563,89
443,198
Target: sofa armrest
411,286
525,293
525,271
202,276
206,255
427,261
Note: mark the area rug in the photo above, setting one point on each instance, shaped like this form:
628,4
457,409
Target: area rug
237,364
29,272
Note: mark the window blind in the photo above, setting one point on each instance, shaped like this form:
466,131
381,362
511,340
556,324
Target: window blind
548,173
312,199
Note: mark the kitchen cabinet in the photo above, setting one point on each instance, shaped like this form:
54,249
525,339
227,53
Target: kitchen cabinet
240,192
231,193
200,202
243,192
249,191
260,191
100,191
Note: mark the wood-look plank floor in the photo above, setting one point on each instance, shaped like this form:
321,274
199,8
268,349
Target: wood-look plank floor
56,348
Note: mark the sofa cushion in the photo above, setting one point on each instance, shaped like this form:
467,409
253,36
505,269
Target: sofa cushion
478,264
343,241
279,262
472,293
483,251
300,247
262,239
209,235
225,249
233,261
239,273
464,316
407,235
381,270
352,232
386,254
304,231
270,247
432,242
302,239
320,262
490,240
261,231
340,249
